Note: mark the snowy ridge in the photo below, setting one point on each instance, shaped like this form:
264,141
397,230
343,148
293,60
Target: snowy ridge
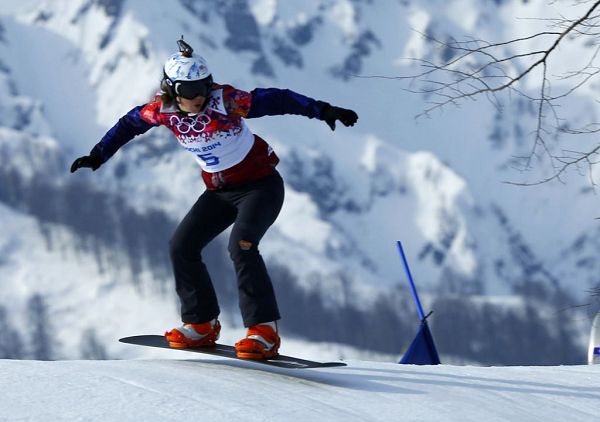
63,298
110,48
224,390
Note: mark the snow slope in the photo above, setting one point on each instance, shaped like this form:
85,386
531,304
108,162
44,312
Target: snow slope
225,390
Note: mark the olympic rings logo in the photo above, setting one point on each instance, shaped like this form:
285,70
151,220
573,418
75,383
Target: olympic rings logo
187,124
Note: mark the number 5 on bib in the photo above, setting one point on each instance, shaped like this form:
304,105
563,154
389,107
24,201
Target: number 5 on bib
209,159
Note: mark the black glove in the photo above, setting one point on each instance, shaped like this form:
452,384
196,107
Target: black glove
331,113
91,161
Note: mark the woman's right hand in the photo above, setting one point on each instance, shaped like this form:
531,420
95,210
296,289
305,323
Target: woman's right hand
90,161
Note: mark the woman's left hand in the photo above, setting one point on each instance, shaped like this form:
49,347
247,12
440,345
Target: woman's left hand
331,113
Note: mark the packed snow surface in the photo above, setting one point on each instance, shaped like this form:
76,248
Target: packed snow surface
187,388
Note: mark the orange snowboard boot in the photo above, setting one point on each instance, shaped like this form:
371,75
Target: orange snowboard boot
194,335
261,342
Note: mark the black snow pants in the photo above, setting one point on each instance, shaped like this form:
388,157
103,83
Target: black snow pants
251,208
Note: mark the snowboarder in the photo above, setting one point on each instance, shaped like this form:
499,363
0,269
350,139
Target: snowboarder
242,188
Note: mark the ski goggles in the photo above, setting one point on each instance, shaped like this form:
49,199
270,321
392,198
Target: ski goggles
192,89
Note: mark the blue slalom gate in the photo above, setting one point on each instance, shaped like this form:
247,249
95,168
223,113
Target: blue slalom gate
422,350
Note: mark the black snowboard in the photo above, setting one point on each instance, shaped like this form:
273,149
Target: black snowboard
223,350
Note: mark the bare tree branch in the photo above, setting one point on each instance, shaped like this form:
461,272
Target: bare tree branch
479,68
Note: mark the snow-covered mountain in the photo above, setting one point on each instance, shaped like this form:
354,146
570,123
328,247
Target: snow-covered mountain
91,248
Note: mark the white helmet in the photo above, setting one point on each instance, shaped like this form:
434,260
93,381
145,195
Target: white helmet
186,74
184,68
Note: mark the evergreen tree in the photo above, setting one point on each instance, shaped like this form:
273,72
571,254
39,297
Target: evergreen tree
42,342
91,348
11,344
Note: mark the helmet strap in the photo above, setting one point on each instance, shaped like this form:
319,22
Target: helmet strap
167,85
